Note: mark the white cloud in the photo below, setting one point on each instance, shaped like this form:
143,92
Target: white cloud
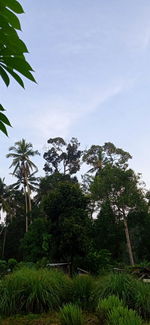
59,114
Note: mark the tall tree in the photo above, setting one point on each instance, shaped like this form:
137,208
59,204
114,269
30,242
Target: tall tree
65,208
98,156
14,225
4,207
23,166
121,189
108,233
62,157
3,195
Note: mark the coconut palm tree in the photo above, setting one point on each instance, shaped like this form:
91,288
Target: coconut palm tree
4,208
3,195
33,185
21,153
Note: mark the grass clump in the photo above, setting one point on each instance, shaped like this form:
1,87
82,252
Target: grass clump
121,285
142,299
33,291
106,305
133,292
71,314
82,291
123,316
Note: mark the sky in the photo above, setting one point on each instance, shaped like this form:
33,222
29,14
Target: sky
92,65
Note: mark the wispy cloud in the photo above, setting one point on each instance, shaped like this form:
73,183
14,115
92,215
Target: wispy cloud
60,114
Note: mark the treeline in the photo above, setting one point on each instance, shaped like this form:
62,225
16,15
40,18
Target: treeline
99,222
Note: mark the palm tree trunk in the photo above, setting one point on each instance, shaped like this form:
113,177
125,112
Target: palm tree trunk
29,200
26,207
128,241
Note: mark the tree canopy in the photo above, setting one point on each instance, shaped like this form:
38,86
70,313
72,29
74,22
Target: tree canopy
99,220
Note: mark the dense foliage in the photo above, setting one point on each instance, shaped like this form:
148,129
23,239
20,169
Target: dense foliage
98,224
31,290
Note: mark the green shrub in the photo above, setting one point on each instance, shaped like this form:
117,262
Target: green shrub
106,305
123,316
3,266
42,263
99,262
142,299
70,315
133,292
12,263
121,285
28,265
33,291
82,294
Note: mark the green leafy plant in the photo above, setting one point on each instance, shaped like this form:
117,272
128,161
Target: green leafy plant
70,315
123,316
82,294
142,299
134,293
33,291
121,285
3,266
106,305
12,51
12,263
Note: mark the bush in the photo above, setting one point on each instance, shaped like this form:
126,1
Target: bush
123,316
134,293
142,299
82,293
70,315
27,265
99,262
42,263
3,267
12,263
121,285
33,291
106,305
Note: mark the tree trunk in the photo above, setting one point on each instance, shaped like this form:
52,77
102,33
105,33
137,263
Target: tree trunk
26,207
29,199
128,241
4,242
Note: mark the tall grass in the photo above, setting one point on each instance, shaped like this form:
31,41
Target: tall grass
123,316
35,291
70,315
121,285
82,291
142,299
106,305
134,293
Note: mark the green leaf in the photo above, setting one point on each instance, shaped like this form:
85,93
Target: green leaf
4,119
12,18
11,44
25,73
3,128
2,109
14,5
15,76
17,63
4,76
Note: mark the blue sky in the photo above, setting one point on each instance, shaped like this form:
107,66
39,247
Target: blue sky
92,65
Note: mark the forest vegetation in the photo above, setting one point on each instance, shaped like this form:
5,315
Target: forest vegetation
98,220
94,220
